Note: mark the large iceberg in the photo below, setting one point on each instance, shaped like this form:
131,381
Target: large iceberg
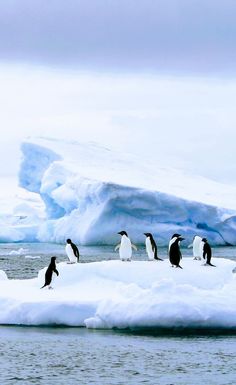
116,294
91,192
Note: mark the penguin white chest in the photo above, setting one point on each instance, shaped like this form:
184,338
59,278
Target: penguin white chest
149,250
197,247
70,254
201,246
125,249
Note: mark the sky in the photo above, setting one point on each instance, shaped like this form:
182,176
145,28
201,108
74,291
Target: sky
156,78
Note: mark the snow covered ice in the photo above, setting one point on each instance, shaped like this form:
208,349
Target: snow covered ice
115,294
93,192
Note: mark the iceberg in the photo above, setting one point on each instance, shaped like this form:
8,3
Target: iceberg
116,294
91,192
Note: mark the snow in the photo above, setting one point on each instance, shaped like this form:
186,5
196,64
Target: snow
116,294
89,193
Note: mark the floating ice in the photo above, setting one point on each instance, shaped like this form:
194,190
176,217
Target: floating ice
32,256
20,251
115,294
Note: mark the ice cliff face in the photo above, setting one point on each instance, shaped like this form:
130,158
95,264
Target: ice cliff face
91,193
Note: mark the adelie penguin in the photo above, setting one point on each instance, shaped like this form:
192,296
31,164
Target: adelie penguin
125,247
207,252
49,273
72,251
151,248
174,250
197,247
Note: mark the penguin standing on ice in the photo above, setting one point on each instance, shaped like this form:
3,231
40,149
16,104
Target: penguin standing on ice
207,252
49,273
125,247
174,250
151,248
197,247
72,251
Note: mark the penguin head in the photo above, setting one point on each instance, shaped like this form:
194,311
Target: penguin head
53,259
148,235
68,240
175,236
123,233
204,240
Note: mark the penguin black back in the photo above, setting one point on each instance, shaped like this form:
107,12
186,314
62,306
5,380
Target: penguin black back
207,252
174,251
50,270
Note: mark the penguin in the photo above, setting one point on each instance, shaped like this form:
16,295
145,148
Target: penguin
125,247
151,248
72,251
173,239
207,252
174,250
197,247
49,273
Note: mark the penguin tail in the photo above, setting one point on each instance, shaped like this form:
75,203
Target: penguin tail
180,267
159,259
210,264
43,286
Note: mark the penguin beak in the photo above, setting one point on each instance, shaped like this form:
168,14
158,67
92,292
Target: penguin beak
145,234
181,239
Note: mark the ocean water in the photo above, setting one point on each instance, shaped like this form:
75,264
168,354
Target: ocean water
42,355
24,260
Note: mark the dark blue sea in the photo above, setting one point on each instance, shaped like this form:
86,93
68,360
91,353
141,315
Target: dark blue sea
59,355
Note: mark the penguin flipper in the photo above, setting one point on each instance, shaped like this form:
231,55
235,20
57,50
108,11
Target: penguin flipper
134,247
117,246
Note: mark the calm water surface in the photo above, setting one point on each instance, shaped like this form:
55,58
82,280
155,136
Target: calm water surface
30,355
79,356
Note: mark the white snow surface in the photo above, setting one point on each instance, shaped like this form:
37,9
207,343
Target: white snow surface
90,193
116,294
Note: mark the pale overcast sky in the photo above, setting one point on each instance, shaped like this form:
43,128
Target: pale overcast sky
153,77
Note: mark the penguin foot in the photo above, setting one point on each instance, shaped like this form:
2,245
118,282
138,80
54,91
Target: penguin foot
210,264
50,288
